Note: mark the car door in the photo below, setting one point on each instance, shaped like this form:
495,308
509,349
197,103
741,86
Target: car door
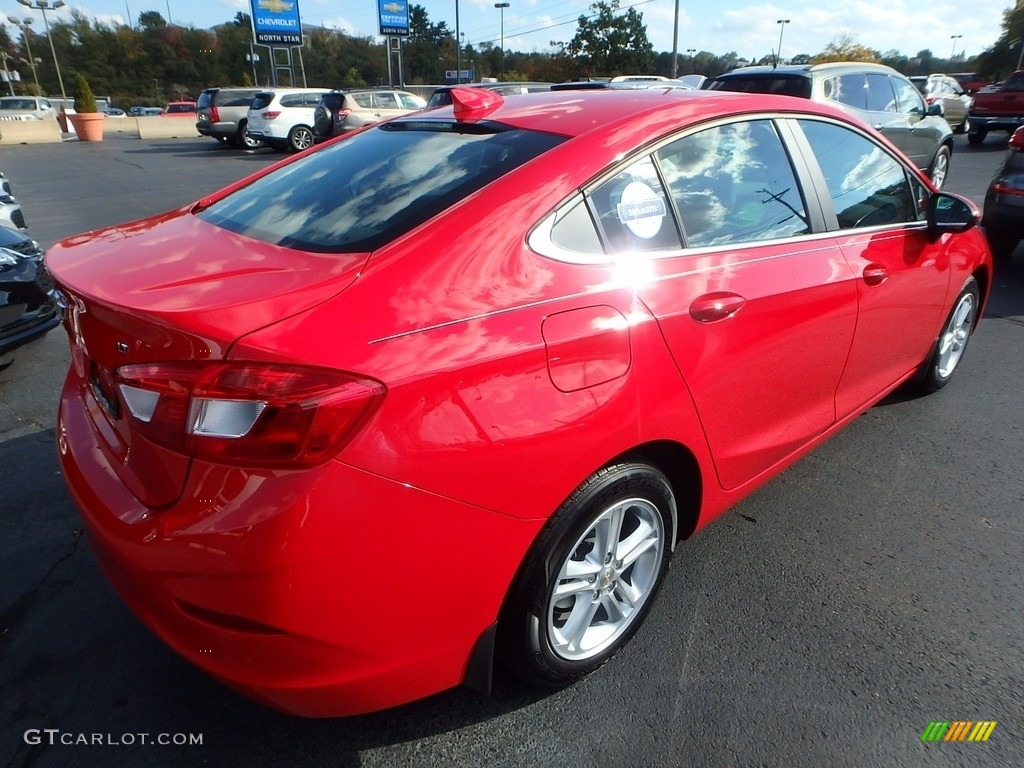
387,105
758,313
902,276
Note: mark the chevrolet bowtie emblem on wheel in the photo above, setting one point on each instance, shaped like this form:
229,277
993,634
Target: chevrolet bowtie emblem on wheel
275,6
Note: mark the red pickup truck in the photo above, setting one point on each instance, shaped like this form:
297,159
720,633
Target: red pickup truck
997,109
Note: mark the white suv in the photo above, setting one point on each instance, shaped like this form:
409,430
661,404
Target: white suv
282,118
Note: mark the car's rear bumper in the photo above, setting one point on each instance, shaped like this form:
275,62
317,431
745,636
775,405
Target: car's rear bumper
218,130
324,592
985,123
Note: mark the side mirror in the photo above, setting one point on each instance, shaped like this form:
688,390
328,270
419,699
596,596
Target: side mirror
1017,140
936,109
950,213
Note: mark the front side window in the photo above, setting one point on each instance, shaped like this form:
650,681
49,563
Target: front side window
409,101
733,183
361,193
909,98
867,185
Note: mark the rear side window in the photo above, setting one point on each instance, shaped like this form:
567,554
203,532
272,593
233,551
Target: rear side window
633,212
235,98
881,96
850,90
733,183
365,191
364,100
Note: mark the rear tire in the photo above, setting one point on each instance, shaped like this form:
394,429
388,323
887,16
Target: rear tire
591,577
976,137
949,348
299,138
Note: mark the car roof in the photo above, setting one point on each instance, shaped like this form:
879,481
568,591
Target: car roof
807,70
573,113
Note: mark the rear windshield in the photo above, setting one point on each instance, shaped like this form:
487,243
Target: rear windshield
262,101
367,190
205,100
787,86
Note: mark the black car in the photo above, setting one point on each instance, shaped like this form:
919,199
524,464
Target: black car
1003,219
27,306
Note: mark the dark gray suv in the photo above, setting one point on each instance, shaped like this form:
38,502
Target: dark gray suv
221,113
877,94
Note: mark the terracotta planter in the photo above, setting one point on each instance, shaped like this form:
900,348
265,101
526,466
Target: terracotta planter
88,125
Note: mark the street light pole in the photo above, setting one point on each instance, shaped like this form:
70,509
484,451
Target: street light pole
501,9
458,47
44,6
782,28
24,26
954,38
7,72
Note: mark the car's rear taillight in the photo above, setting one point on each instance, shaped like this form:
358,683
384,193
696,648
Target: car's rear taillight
214,115
1004,187
269,114
252,414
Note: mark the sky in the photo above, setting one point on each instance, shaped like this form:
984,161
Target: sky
944,27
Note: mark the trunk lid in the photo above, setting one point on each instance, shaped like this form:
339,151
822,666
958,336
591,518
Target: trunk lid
173,288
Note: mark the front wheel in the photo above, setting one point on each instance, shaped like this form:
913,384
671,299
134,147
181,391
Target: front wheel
299,138
939,169
952,342
591,576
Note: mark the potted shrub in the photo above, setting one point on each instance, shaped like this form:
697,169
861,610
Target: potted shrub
87,120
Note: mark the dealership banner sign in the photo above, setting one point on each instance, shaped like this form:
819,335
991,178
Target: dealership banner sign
394,18
276,22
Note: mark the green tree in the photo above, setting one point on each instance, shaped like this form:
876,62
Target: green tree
1007,54
845,48
610,43
85,102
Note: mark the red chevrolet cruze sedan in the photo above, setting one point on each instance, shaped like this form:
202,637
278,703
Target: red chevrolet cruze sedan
451,388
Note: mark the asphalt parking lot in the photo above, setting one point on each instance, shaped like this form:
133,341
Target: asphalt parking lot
827,620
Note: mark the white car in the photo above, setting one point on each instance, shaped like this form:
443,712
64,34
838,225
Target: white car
26,108
282,118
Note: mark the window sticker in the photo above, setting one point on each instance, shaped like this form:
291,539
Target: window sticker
641,209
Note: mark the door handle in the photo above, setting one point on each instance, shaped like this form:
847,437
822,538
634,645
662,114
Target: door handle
875,275
716,306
